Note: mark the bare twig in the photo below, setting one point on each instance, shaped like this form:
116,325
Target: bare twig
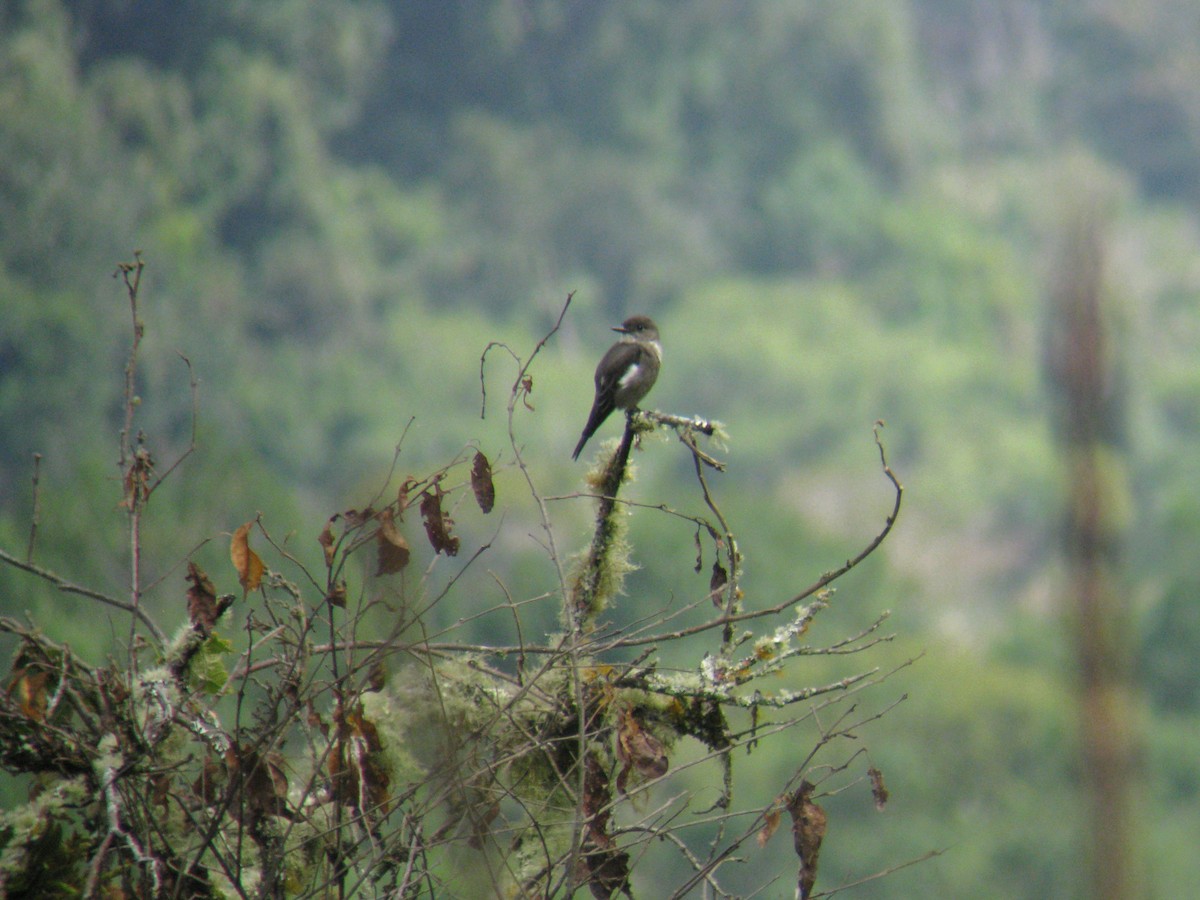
68,587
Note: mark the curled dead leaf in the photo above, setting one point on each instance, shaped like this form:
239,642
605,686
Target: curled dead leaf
771,820
28,685
356,765
392,549
249,567
808,830
638,749
402,496
878,790
437,523
327,540
203,605
337,595
376,677
717,583
482,484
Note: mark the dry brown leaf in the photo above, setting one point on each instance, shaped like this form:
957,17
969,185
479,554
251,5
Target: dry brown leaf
482,484
437,523
337,595
526,390
771,820
717,583
377,677
638,749
203,605
327,540
356,518
808,830
137,479
392,548
402,496
249,567
878,790
356,764
28,685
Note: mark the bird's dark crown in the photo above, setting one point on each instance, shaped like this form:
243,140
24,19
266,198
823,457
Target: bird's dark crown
639,326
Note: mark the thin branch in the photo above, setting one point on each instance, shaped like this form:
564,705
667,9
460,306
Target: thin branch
68,587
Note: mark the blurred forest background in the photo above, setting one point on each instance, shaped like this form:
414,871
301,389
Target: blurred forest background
837,212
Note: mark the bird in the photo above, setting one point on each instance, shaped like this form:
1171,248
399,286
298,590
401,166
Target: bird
625,374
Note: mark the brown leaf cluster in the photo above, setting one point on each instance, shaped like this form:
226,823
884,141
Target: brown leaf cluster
356,767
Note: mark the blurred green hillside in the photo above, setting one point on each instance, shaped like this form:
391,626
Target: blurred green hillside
837,213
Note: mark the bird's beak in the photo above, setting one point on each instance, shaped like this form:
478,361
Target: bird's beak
621,328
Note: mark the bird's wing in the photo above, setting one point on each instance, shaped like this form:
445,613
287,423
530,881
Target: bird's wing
620,358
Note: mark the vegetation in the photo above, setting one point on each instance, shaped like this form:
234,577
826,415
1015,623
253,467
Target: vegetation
348,749
836,212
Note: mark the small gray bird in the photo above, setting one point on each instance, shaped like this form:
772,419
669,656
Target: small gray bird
625,374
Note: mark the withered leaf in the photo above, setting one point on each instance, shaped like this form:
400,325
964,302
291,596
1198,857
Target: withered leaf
203,605
376,677
526,390
638,749
356,764
28,685
356,518
607,867
808,830
327,540
392,548
437,523
878,790
402,496
249,567
771,820
137,479
699,552
337,595
717,583
481,483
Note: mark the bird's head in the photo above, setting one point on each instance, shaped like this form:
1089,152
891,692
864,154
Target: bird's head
639,328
